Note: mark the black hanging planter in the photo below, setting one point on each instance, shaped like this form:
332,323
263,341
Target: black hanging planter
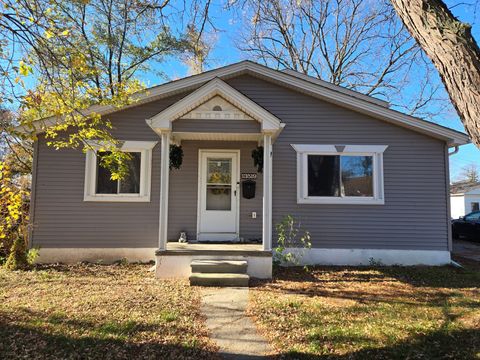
257,155
176,156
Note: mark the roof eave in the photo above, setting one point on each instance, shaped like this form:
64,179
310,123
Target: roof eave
341,98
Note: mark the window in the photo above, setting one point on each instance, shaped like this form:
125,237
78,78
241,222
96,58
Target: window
135,186
130,184
340,174
475,206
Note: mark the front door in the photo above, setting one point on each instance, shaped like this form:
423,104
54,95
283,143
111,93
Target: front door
218,195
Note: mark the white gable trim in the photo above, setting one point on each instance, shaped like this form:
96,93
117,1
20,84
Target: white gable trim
217,108
216,87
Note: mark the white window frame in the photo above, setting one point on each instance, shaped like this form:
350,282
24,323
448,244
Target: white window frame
145,150
375,151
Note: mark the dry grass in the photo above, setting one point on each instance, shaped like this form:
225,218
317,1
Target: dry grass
99,312
371,313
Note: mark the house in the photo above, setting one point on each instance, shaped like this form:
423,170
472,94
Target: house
369,183
464,198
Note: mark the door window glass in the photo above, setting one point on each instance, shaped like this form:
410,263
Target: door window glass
219,184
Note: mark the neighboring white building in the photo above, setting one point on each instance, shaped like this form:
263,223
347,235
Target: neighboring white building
464,198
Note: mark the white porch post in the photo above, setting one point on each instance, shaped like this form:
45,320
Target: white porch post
164,175
267,192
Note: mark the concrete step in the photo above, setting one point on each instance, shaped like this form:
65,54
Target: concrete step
219,279
219,266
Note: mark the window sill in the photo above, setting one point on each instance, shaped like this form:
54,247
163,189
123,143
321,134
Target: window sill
341,201
118,198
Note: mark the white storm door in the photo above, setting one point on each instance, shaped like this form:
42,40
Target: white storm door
218,196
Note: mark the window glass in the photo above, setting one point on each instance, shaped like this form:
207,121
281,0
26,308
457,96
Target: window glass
357,175
334,175
475,206
474,216
219,171
219,197
130,184
219,184
323,175
105,185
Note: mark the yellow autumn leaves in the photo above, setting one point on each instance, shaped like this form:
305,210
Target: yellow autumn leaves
13,209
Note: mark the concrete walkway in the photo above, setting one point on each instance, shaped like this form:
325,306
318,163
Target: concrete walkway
231,328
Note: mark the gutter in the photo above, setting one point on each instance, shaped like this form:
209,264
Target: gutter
455,150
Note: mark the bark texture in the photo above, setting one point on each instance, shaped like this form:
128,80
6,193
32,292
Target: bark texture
454,52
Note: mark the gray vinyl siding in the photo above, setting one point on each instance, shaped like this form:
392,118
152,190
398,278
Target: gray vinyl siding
63,219
415,212
217,126
414,215
182,201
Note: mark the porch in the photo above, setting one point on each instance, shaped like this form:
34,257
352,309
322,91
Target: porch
217,128
175,261
175,248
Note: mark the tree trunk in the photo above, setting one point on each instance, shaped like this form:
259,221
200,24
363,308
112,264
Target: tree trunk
454,52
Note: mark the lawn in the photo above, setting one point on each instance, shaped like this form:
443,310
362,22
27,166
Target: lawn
99,312
371,313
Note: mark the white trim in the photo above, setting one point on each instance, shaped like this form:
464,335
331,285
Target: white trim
145,150
219,236
331,93
215,87
215,136
104,255
332,149
164,193
178,266
267,193
355,257
206,112
375,151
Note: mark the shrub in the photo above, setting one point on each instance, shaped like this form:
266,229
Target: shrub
288,231
14,207
17,260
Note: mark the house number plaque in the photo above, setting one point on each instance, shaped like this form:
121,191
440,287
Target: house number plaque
248,176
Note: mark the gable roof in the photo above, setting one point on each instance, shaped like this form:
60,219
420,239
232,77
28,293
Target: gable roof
298,82
216,87
463,187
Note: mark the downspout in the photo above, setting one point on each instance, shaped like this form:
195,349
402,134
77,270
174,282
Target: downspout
454,151
33,192
450,240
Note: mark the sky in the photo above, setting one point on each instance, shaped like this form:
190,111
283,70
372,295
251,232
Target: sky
225,53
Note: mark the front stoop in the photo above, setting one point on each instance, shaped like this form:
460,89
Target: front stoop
219,273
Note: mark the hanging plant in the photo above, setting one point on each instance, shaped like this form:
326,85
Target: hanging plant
176,156
257,155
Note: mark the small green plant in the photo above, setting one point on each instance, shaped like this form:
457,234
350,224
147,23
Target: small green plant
17,260
122,262
290,245
32,255
375,262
